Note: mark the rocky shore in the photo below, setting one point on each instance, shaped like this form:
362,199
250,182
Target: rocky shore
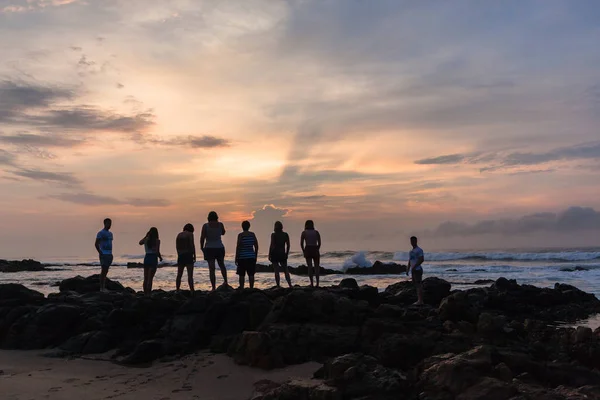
498,342
23,265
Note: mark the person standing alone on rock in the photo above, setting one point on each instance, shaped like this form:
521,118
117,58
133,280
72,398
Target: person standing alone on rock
415,261
103,245
279,251
310,242
213,248
186,256
246,253
151,244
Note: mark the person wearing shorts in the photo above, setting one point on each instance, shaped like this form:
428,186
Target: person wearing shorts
103,244
186,256
151,244
310,242
415,261
279,251
212,246
246,253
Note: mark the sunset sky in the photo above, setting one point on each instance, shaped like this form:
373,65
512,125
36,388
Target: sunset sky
474,124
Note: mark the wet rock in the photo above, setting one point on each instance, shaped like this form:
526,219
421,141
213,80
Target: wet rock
348,283
20,266
90,284
378,268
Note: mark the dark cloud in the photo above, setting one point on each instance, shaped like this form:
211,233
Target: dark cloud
447,159
16,97
7,158
586,151
89,199
47,176
195,142
28,139
86,119
570,220
120,85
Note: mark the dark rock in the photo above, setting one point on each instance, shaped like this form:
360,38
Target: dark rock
348,283
15,294
434,291
567,269
88,343
145,352
488,389
301,389
20,266
457,307
90,284
378,268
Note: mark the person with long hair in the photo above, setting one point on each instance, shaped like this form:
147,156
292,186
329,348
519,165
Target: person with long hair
246,253
151,244
310,242
186,256
279,251
212,246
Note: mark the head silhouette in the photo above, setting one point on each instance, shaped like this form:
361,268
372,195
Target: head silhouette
309,224
413,241
107,223
213,216
245,226
188,228
278,227
152,236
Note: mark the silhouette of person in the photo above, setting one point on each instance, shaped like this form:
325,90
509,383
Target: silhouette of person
246,253
279,251
151,244
415,261
213,248
310,242
103,244
186,256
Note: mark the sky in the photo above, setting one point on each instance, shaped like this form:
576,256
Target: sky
470,124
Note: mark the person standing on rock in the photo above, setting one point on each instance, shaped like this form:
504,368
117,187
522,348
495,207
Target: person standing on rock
415,261
246,253
310,242
213,248
103,245
151,244
279,251
186,256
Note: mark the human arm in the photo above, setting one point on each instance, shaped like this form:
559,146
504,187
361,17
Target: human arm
193,245
302,240
287,245
97,245
158,250
202,237
143,240
271,245
222,228
255,247
318,240
237,248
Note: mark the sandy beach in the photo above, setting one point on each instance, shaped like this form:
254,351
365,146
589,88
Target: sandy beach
28,375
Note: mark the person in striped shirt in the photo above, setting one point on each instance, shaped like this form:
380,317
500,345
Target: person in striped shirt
246,253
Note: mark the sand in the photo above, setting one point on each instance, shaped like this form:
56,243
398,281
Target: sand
26,375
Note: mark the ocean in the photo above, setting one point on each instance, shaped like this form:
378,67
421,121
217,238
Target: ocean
540,267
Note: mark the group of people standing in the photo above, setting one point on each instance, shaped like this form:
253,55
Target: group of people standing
213,250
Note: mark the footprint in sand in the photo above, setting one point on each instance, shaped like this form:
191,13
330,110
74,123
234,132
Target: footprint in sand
71,380
55,389
222,376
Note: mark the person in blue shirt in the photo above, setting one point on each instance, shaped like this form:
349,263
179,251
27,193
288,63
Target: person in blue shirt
416,258
103,244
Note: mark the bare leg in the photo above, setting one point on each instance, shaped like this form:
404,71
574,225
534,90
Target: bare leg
151,279
223,270
146,273
190,272
309,265
180,269
286,271
211,273
419,293
317,267
251,281
276,268
103,274
242,280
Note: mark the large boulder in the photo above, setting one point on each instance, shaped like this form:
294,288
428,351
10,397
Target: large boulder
20,266
457,307
12,294
89,284
434,291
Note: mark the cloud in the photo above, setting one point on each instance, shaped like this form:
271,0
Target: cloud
16,97
47,176
500,160
28,139
569,220
89,199
6,158
270,212
195,142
